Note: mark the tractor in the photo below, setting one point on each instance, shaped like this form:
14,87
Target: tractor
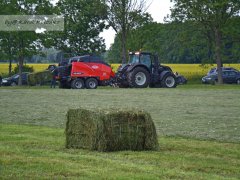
144,70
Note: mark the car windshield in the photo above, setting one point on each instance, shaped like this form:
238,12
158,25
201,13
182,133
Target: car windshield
15,76
134,58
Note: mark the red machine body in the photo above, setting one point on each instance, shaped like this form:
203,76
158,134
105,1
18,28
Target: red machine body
90,69
85,72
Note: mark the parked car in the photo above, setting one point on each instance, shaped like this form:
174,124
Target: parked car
214,70
13,80
229,76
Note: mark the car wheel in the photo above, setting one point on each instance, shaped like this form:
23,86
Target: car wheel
77,84
91,83
13,84
238,81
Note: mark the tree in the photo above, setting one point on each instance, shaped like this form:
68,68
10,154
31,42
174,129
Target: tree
125,15
84,20
213,15
20,44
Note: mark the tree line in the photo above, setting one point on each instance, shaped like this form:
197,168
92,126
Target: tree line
180,42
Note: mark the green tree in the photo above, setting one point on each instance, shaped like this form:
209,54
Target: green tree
213,15
84,20
20,44
125,15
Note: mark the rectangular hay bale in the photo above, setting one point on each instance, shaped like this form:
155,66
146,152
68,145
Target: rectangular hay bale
112,130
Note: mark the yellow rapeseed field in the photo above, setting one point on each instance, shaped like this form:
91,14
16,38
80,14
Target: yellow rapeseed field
36,67
190,71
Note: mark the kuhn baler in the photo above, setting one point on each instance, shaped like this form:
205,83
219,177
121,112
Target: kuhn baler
85,72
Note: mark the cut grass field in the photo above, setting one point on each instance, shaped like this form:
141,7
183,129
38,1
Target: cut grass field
198,128
34,152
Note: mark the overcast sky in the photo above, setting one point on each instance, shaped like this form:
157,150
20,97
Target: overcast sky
158,9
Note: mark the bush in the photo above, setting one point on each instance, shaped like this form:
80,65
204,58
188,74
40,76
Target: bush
39,78
110,130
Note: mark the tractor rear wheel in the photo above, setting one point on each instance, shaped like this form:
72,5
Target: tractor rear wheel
77,84
91,83
138,78
169,81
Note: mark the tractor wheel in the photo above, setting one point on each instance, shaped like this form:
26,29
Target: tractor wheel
169,81
77,84
138,78
91,83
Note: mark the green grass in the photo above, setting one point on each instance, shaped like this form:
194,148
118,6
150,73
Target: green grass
196,111
198,128
35,152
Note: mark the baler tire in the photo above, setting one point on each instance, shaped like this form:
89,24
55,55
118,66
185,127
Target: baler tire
91,83
138,78
77,84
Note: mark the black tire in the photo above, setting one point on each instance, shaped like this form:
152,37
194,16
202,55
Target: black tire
77,84
91,83
138,78
169,81
13,83
238,81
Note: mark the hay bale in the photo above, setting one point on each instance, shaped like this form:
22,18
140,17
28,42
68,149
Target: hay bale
39,78
31,79
110,130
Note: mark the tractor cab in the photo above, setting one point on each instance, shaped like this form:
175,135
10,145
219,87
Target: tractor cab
141,58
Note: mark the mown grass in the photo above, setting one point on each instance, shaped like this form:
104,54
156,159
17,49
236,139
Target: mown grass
35,152
196,111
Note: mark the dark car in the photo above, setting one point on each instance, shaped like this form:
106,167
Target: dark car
229,76
214,70
13,80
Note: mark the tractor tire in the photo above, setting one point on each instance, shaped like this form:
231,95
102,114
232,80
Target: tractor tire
138,78
169,81
91,83
77,84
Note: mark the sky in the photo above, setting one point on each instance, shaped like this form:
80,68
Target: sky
158,9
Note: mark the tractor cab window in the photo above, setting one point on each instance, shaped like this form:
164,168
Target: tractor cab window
146,59
134,58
